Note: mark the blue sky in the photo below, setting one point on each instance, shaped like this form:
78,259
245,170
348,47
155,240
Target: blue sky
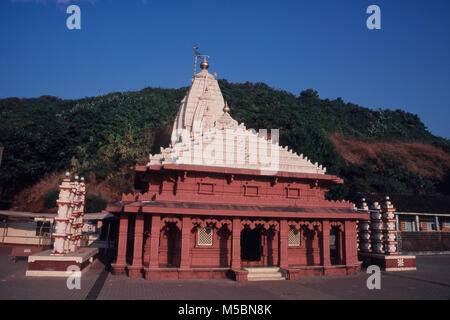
291,45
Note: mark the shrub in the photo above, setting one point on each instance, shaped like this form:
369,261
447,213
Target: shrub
95,203
50,198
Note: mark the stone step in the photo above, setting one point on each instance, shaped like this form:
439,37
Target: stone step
264,274
262,270
264,277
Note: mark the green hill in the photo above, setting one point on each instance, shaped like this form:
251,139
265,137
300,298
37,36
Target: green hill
106,136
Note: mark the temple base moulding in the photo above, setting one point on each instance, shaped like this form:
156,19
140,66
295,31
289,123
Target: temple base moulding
190,273
295,273
389,262
44,264
239,275
119,268
135,271
291,273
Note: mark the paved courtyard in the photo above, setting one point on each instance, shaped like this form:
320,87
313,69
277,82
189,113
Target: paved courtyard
430,281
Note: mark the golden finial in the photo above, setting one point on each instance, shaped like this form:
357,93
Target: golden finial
204,65
226,109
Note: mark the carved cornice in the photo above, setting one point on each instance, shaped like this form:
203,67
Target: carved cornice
265,224
305,224
211,222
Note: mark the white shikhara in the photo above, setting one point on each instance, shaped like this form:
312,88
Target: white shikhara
204,133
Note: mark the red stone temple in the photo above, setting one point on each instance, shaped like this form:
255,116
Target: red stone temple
224,201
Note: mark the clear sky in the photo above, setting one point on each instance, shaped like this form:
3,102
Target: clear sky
291,45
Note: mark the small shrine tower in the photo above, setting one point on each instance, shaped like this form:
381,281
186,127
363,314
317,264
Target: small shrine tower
68,254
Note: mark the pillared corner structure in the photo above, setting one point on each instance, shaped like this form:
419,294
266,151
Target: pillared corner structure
68,254
203,213
378,239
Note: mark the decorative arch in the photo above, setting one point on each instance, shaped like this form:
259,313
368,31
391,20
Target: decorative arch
337,224
259,223
171,241
166,222
303,224
211,222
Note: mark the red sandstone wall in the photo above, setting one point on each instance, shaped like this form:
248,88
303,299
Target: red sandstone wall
217,188
223,188
217,255
309,251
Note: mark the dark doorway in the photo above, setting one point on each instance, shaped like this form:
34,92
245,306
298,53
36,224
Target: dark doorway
251,244
173,246
224,235
334,246
130,238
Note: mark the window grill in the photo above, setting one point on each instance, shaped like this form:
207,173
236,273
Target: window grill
205,236
294,238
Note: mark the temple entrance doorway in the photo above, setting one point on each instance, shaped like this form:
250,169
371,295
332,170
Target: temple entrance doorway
251,248
172,244
335,246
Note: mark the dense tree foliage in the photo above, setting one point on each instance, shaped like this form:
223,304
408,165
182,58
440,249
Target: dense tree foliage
108,135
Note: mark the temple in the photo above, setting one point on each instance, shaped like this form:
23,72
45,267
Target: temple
225,201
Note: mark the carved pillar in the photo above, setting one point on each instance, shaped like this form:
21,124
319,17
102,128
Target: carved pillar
283,243
236,244
389,230
364,240
154,241
146,245
351,253
122,243
376,228
61,220
121,260
69,216
135,269
73,217
326,243
341,245
186,243
79,191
